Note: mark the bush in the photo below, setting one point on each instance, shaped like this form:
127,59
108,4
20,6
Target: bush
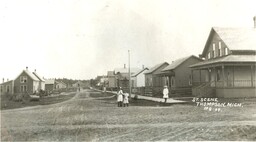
135,97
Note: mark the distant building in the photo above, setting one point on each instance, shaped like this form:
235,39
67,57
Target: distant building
7,87
122,76
27,82
230,60
50,84
111,79
41,81
138,78
60,85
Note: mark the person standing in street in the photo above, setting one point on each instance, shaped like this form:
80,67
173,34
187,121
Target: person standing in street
120,97
126,100
165,94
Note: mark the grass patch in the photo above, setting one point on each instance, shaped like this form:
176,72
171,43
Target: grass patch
9,104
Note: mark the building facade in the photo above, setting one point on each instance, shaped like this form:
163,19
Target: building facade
230,63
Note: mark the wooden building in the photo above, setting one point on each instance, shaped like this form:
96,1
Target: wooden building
230,60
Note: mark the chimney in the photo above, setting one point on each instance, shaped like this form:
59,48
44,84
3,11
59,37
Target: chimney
124,66
35,70
7,79
143,67
3,80
26,68
254,19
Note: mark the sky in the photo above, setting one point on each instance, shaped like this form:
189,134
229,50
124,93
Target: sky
80,39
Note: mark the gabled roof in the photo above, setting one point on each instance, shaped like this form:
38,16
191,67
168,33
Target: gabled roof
31,75
39,77
137,73
234,38
178,62
228,59
155,67
7,82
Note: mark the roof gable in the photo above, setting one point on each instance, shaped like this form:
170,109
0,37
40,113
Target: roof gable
39,77
31,75
139,72
151,70
234,38
178,62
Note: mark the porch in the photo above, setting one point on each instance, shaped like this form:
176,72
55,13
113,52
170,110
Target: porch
226,80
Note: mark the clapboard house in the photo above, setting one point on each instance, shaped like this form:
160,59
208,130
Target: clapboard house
178,75
153,82
230,60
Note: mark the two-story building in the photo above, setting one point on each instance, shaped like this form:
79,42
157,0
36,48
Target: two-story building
26,82
230,60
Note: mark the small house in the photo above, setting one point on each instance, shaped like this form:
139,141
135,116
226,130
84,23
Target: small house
50,84
153,82
7,87
178,75
138,78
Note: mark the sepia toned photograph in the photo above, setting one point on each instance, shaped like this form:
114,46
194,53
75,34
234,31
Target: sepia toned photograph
127,70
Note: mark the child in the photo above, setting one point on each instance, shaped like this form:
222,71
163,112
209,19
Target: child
120,97
126,99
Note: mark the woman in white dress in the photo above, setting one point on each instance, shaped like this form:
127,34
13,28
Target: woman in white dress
165,94
120,97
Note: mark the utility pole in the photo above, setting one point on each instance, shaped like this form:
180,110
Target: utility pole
129,69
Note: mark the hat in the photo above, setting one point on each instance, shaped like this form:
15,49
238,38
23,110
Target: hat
165,86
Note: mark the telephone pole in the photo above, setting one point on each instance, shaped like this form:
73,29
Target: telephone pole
129,70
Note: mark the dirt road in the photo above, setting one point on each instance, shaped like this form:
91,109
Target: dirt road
91,116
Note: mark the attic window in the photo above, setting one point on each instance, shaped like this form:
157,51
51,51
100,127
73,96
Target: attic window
226,51
23,79
209,55
213,50
220,51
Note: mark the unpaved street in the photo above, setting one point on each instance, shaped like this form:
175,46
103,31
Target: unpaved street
91,116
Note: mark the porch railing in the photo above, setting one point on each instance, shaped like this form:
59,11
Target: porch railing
235,83
227,83
204,89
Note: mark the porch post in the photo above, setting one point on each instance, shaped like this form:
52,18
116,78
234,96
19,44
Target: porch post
233,76
192,77
215,76
251,75
223,75
200,76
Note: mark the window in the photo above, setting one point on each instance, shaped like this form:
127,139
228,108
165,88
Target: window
7,88
23,88
220,53
218,75
209,55
213,50
190,80
23,79
1,87
226,51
